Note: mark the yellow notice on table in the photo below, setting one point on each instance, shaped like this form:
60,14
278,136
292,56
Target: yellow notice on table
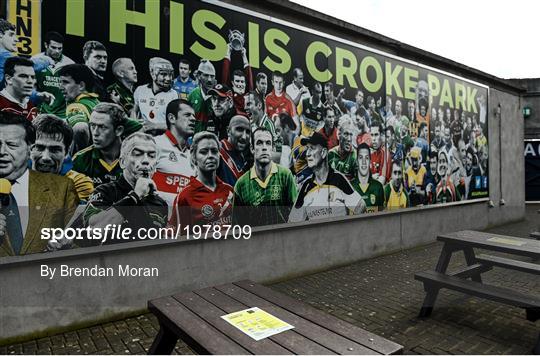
256,323
506,241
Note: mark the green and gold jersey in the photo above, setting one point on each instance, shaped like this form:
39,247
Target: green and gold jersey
49,81
372,193
343,162
81,108
89,162
264,203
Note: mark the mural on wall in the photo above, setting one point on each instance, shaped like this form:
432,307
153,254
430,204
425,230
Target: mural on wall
177,114
532,170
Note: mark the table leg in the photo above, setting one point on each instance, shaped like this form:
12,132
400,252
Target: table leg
536,350
470,258
164,342
431,291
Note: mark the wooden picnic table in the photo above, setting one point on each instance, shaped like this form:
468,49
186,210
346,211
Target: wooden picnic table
466,241
195,317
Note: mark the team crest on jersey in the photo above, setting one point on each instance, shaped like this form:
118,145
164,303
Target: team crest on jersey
172,157
96,197
372,198
207,211
161,101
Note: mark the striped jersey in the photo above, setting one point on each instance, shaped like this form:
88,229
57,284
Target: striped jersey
173,169
153,106
334,198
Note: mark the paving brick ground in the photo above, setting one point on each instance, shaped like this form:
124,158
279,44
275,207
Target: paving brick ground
379,295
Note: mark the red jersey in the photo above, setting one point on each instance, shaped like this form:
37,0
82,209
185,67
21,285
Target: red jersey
381,163
332,139
275,105
198,205
6,105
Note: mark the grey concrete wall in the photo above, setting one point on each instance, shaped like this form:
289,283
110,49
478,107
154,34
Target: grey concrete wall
31,305
531,99
45,306
506,160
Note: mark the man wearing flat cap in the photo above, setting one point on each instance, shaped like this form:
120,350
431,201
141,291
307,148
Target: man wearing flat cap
223,110
415,178
327,193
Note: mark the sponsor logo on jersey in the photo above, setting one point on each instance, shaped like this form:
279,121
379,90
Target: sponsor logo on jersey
372,198
276,190
172,157
177,180
319,212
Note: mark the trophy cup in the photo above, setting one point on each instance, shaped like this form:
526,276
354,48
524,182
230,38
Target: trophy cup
236,39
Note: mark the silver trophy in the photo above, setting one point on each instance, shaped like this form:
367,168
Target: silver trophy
236,39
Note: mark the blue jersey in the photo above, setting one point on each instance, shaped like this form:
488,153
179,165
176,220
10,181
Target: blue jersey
39,65
184,88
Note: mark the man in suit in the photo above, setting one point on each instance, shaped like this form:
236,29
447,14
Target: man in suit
37,200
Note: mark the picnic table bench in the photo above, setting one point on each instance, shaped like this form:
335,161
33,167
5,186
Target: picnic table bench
468,279
195,317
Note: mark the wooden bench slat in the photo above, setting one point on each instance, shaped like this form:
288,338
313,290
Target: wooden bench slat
526,247
328,321
328,339
509,263
498,294
179,319
291,340
212,314
469,271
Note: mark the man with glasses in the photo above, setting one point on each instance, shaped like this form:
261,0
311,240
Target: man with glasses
223,110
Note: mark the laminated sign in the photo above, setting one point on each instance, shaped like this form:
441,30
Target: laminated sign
256,323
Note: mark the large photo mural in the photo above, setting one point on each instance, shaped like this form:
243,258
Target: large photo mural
180,114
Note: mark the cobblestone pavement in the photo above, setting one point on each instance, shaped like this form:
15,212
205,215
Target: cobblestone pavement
379,295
